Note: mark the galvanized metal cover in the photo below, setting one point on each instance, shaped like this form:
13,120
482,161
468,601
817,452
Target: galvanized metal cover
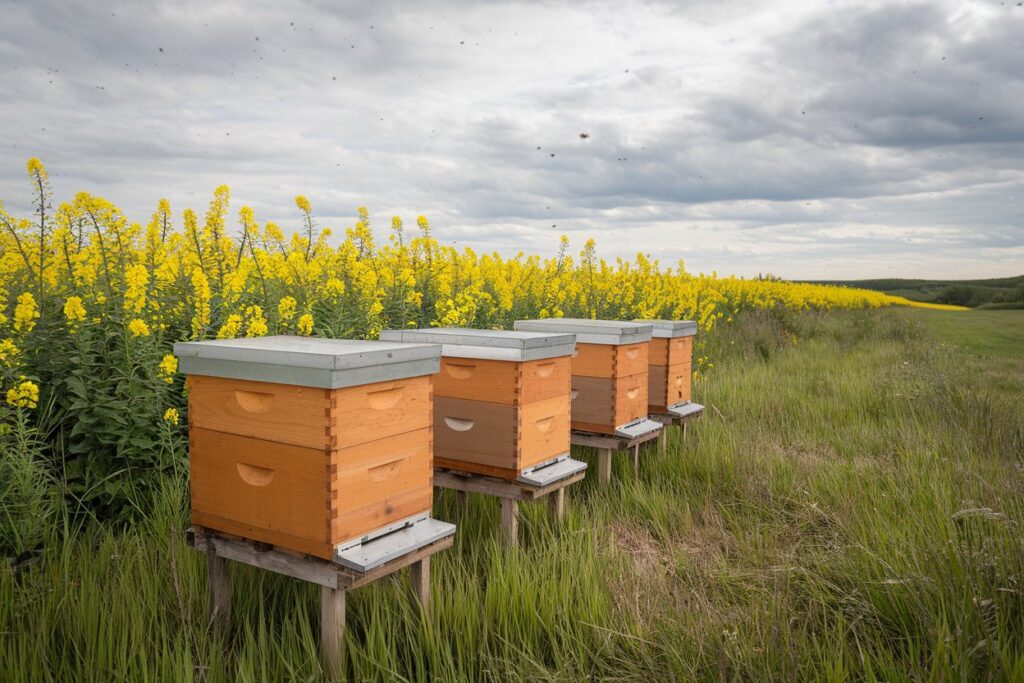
308,361
685,409
637,427
561,468
671,328
462,342
390,546
615,332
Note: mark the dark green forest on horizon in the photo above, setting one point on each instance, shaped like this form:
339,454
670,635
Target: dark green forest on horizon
1007,292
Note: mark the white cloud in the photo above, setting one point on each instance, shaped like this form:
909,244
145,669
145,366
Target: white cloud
809,140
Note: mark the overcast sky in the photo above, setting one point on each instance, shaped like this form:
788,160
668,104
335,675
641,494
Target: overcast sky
805,139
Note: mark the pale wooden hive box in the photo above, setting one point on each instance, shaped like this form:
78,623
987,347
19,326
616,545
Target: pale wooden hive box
501,399
671,363
308,443
609,370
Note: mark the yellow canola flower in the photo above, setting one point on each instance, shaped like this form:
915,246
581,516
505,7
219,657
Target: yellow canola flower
201,302
25,313
138,328
255,323
168,366
305,324
35,167
303,204
230,329
171,416
286,308
8,350
24,395
74,312
136,280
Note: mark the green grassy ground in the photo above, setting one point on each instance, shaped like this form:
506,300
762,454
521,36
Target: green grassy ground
850,507
992,334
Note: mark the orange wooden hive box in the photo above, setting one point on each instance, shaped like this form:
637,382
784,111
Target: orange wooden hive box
670,364
609,373
501,399
308,443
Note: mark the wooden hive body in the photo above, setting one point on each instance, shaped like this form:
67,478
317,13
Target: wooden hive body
304,467
501,398
671,363
609,370
609,385
500,417
670,372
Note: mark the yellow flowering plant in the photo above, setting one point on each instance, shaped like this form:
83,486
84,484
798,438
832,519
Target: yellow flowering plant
25,394
91,302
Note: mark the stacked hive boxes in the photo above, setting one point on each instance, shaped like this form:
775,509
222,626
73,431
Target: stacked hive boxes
501,399
671,358
609,373
309,444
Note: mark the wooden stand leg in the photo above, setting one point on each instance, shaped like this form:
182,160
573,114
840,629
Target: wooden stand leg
419,575
636,459
510,520
220,589
556,504
683,428
604,466
332,626
663,440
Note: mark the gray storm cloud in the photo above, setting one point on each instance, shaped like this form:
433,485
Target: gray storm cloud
804,139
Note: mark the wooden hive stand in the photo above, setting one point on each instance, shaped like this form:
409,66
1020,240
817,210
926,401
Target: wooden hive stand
509,493
606,444
335,580
685,414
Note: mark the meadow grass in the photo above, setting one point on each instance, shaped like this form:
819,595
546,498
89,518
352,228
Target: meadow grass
848,508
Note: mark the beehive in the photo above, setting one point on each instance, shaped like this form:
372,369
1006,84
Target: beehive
670,360
609,372
308,443
501,399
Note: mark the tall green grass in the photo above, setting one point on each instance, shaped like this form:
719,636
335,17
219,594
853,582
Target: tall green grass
849,507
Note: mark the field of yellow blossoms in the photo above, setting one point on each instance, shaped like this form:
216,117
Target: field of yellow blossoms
91,303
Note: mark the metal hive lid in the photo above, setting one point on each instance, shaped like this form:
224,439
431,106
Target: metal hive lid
588,331
462,342
671,328
307,361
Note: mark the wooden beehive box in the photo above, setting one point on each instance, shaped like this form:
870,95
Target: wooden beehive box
308,443
609,372
501,399
671,359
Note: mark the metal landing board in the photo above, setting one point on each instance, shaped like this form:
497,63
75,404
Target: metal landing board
685,409
372,553
561,468
636,428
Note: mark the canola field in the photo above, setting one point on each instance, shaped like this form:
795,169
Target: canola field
91,303
82,268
